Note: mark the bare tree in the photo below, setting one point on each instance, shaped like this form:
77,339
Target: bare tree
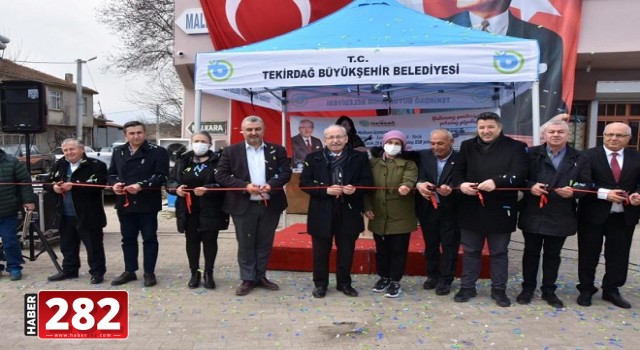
145,28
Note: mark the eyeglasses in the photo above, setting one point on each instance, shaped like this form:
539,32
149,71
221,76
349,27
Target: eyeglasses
335,137
616,135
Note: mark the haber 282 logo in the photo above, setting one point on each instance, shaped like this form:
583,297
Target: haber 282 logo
77,314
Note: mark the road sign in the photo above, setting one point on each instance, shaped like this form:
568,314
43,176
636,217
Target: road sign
213,128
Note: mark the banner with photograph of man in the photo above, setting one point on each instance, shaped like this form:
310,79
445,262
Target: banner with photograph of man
417,127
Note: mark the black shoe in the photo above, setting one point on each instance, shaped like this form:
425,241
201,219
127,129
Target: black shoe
97,279
465,294
381,285
393,291
584,299
525,297
430,283
194,281
348,291
443,288
150,279
209,283
319,292
614,297
62,275
501,298
126,277
552,299
266,284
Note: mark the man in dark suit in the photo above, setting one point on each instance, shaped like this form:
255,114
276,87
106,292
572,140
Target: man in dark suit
79,211
548,210
262,169
438,222
615,171
493,16
137,173
331,177
485,163
304,143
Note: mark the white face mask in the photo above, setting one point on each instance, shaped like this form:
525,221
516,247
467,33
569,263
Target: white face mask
392,150
200,148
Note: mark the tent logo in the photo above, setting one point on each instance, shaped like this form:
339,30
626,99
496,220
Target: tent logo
300,100
508,62
220,70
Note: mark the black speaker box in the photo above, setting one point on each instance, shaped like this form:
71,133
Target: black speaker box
23,106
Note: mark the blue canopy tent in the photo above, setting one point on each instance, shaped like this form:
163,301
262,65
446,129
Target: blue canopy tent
369,55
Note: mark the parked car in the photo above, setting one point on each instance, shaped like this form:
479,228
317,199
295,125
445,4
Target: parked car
104,156
40,162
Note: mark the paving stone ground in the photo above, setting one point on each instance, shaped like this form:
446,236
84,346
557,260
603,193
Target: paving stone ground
172,316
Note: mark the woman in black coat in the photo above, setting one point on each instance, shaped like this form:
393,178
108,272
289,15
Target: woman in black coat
202,218
354,140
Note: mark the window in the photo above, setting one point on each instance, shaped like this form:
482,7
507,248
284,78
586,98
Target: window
85,106
55,99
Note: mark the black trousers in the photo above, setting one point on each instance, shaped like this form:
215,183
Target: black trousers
533,244
345,244
440,231
70,238
617,237
195,238
391,255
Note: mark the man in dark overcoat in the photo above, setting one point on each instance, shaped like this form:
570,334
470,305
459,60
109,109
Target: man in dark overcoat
486,169
331,177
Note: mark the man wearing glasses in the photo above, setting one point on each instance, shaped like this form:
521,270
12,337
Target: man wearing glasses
613,214
304,143
331,177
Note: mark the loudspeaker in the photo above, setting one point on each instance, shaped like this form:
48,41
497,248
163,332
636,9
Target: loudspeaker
23,106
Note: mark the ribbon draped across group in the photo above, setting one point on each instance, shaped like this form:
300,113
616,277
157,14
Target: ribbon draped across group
543,198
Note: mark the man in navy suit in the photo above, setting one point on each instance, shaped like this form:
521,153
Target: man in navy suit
613,214
438,223
261,169
493,16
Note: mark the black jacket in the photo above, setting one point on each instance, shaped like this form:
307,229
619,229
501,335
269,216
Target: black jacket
87,201
592,210
233,172
558,217
428,172
148,167
505,162
211,216
316,173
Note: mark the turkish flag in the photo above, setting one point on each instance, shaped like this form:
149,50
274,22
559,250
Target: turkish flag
235,23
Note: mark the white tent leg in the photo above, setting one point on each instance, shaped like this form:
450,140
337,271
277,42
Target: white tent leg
535,112
197,117
284,144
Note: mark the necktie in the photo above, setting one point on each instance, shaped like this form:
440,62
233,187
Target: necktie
485,24
615,167
309,149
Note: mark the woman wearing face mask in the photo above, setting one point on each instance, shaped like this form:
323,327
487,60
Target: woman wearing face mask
198,210
391,211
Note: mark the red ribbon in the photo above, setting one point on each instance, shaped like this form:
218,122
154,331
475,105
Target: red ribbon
434,201
543,200
187,197
126,199
481,198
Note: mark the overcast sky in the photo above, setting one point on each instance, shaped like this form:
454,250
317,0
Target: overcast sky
63,31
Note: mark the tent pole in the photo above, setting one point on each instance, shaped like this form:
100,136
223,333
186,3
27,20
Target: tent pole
535,112
284,144
197,118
